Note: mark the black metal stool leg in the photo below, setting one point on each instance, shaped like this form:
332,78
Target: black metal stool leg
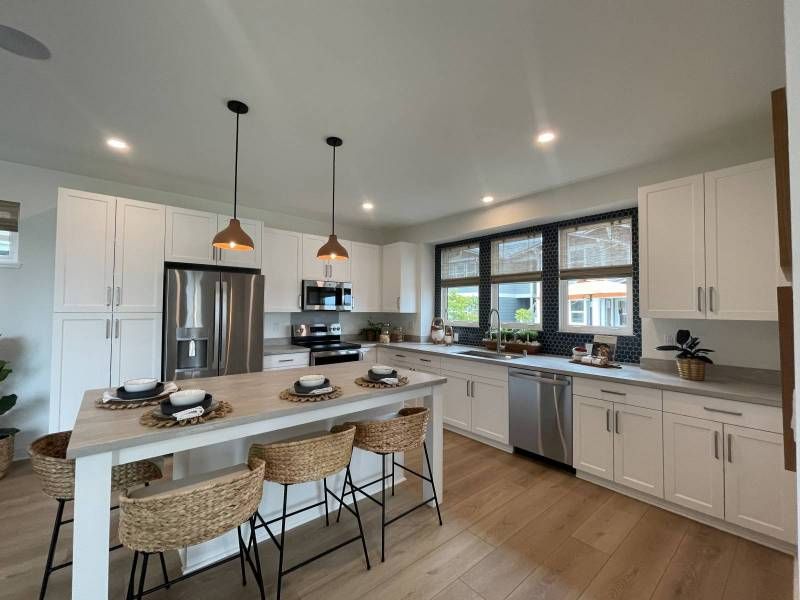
257,572
241,553
142,575
383,507
349,476
164,569
283,540
48,567
129,595
392,473
433,485
341,496
325,493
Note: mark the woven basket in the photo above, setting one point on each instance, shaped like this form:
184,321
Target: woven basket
404,432
691,369
188,517
308,459
57,473
6,454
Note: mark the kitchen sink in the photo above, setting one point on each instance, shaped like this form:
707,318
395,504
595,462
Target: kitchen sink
490,354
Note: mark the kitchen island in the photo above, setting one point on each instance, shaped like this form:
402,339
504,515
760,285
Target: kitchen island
104,438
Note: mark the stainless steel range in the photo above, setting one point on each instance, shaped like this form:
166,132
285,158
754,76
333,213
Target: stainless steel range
325,344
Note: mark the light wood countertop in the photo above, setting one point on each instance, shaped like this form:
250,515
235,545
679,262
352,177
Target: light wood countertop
254,397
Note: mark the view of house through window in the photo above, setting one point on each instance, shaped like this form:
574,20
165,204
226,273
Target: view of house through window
460,270
516,280
9,236
598,302
519,303
460,304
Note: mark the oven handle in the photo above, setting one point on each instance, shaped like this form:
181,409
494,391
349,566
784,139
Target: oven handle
326,353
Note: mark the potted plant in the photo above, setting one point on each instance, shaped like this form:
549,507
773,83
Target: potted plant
691,360
371,331
514,340
6,433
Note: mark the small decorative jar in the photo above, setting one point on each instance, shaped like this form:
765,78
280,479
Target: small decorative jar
397,335
384,337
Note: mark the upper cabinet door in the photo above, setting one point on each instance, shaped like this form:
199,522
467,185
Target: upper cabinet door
742,242
340,270
281,267
84,272
139,257
236,258
189,234
759,493
365,274
672,249
314,268
399,278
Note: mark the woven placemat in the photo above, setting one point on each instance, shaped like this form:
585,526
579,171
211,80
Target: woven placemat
366,383
148,419
287,394
117,405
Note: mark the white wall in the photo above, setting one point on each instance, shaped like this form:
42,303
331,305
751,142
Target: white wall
26,293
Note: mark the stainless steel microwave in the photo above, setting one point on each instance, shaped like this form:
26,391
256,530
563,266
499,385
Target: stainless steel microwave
327,295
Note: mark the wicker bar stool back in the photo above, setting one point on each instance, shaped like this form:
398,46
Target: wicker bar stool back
56,474
401,433
311,458
172,519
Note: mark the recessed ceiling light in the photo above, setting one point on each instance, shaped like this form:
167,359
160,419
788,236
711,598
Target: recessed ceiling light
367,206
487,199
117,144
545,137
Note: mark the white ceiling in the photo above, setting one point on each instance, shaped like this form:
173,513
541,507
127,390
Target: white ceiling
438,102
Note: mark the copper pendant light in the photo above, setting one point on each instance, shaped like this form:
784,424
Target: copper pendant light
332,249
233,237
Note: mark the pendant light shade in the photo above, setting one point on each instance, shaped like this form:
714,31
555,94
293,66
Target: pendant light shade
233,237
332,249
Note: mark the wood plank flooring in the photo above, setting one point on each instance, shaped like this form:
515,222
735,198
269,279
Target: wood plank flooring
514,529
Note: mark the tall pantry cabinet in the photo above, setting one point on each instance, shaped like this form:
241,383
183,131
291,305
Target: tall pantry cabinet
107,298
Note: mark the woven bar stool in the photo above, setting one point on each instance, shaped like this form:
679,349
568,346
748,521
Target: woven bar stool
184,512
309,458
404,432
56,474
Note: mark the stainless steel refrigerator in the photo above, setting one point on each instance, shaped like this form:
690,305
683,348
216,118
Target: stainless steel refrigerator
213,323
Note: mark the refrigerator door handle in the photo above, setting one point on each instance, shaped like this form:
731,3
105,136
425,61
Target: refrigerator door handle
223,331
216,341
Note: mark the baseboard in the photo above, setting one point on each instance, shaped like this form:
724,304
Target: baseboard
481,439
753,536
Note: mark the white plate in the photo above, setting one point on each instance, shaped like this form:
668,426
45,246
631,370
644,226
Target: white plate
140,385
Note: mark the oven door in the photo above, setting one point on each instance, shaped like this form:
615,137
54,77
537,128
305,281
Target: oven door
327,295
331,357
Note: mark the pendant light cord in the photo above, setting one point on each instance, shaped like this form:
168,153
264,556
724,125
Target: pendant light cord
333,193
236,167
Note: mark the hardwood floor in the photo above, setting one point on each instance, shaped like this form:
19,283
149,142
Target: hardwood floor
513,529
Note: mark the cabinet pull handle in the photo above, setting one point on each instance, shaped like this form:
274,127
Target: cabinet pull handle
285,360
108,328
716,445
613,393
398,303
299,300
616,422
117,295
608,420
400,355
473,388
724,412
108,295
425,359
116,328
468,396
730,447
699,298
711,298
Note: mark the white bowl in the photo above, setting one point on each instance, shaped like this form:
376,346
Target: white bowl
140,385
382,369
312,380
186,397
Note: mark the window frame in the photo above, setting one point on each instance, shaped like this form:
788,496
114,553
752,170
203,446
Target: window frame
515,324
12,260
564,311
443,306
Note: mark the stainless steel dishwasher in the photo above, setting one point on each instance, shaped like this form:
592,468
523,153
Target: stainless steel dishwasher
541,413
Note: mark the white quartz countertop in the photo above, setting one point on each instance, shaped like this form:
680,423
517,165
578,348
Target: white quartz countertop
729,389
270,349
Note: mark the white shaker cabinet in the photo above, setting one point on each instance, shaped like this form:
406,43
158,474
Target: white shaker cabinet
281,266
135,346
138,257
399,283
365,275
742,242
638,449
80,360
84,266
328,270
693,464
672,249
490,409
189,234
456,403
593,438
759,493
241,258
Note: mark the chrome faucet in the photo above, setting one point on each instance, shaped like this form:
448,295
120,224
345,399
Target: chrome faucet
499,342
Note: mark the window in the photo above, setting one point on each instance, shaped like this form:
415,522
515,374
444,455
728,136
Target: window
460,269
516,281
596,277
9,236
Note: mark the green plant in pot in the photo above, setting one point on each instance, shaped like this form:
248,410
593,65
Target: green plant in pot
691,360
6,433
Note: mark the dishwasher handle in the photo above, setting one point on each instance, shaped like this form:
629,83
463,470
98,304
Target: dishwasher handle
561,382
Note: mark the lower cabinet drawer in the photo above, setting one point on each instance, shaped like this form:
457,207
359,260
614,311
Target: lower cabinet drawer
755,416
475,368
286,361
612,391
